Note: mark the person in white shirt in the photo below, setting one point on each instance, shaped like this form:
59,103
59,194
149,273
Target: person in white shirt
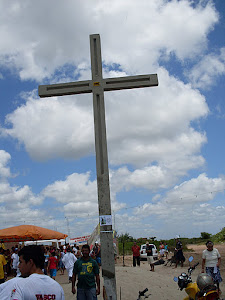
18,274
211,261
7,287
37,286
68,261
75,249
15,261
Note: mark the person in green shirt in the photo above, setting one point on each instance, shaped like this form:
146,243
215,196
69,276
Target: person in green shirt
87,271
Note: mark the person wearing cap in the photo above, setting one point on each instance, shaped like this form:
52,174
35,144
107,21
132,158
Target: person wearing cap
150,258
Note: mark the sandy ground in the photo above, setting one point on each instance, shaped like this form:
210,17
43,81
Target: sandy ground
160,283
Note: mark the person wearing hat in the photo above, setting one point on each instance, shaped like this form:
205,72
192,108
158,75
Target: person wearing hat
150,258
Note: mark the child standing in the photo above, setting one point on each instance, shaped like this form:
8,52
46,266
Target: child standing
52,265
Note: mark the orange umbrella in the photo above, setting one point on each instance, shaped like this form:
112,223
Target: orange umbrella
29,233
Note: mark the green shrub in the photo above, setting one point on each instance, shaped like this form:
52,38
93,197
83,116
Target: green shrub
205,235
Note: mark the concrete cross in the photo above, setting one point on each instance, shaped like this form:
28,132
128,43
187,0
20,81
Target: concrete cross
97,86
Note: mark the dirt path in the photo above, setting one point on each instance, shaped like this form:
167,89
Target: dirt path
160,283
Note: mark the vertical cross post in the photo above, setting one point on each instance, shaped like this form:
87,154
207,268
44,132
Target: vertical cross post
104,203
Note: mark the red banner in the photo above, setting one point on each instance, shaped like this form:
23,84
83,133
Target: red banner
80,239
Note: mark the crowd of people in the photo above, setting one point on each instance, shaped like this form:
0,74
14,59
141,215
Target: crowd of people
33,270
163,252
53,260
211,258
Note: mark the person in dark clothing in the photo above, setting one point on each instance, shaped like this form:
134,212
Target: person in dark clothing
179,253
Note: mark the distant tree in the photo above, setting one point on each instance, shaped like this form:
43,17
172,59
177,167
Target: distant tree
205,235
125,237
152,238
141,241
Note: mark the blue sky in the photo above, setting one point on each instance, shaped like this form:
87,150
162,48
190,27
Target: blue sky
165,144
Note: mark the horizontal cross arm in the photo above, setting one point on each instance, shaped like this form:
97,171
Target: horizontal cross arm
130,82
62,89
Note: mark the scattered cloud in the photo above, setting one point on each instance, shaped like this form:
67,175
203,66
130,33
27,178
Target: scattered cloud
205,73
5,158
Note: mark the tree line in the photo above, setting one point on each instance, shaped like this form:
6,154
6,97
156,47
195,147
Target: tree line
126,241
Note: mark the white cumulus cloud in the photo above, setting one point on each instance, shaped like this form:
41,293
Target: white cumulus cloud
205,73
144,30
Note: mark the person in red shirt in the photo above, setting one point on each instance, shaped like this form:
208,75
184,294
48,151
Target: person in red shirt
52,265
136,254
